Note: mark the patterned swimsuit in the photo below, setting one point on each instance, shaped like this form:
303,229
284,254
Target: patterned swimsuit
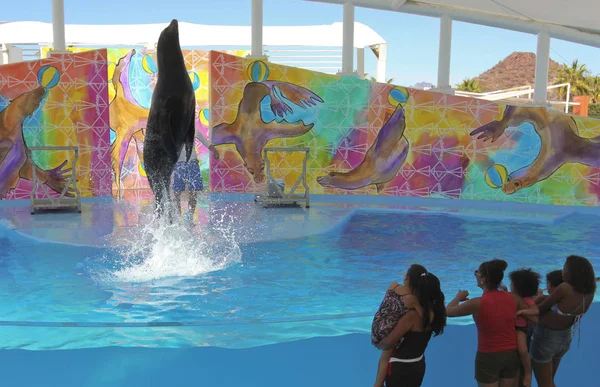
389,313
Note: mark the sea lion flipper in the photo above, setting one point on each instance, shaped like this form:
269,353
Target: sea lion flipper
189,138
298,95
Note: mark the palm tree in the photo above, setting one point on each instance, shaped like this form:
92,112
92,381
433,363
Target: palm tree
470,85
594,88
576,75
373,79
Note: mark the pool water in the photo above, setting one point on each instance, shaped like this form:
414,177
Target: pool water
241,296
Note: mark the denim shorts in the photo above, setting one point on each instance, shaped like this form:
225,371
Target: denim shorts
187,174
548,344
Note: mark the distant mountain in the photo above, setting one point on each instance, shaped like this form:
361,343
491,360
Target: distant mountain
423,86
517,69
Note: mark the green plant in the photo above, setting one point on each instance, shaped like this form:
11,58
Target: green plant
373,79
470,85
576,74
594,110
594,88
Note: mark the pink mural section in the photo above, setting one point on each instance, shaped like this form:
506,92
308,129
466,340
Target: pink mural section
58,101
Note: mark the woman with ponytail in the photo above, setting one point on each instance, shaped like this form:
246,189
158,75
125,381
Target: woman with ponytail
497,362
426,317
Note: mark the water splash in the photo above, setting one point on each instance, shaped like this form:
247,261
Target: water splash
167,251
5,223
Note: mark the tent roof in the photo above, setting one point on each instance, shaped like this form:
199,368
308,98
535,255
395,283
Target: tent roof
191,35
573,20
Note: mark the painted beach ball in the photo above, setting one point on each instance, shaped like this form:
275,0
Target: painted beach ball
111,70
496,176
398,96
195,79
111,87
113,136
149,65
258,71
204,116
48,77
142,170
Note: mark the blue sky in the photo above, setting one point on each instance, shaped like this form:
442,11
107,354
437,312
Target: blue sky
413,40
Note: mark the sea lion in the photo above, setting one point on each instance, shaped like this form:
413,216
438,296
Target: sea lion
249,133
171,122
382,161
560,139
14,158
127,119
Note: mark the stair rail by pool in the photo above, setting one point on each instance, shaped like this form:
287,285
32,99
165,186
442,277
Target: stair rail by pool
62,201
274,193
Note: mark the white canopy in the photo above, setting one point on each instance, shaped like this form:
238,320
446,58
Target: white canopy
191,35
572,20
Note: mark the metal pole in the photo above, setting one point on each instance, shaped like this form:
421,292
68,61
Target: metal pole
382,63
348,39
360,62
257,28
568,96
542,58
58,26
443,80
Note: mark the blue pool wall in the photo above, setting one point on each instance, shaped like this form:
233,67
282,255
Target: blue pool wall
348,361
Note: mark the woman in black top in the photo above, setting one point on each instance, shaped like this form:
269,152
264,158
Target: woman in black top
426,317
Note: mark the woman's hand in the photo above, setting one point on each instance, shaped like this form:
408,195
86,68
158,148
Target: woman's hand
462,295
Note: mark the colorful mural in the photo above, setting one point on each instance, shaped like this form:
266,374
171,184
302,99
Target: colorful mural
131,77
59,101
370,138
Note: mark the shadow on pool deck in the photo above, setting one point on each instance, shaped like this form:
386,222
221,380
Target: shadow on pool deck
348,361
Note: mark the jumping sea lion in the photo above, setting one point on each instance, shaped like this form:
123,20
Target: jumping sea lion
561,143
171,122
249,133
14,158
382,162
127,119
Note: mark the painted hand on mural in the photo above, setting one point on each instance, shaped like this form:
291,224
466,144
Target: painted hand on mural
382,161
560,144
249,133
14,158
127,118
491,131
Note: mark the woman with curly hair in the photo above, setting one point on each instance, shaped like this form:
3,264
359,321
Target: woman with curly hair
559,312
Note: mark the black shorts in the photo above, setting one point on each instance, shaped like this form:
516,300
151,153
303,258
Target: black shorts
405,374
493,366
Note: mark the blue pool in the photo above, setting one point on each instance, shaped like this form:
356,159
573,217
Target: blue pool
244,284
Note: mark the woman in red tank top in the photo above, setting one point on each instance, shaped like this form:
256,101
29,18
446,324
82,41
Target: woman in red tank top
497,361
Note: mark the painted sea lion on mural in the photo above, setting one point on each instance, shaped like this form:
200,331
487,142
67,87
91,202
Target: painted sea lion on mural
14,158
171,122
250,133
382,161
127,119
561,143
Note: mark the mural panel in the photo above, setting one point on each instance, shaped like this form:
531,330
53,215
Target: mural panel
132,76
60,101
370,138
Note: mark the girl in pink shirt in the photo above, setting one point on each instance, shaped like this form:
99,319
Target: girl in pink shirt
525,284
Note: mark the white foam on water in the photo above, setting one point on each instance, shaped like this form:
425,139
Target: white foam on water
7,224
161,250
